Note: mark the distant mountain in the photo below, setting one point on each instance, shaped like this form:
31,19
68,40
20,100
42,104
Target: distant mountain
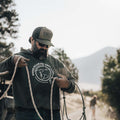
90,67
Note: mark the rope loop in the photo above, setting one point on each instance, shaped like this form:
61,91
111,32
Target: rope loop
51,93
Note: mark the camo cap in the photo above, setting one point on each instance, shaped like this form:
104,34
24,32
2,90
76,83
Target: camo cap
43,35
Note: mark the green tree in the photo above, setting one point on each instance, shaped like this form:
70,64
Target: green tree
62,56
111,81
8,26
4,50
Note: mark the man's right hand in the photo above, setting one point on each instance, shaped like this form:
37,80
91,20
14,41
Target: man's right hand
22,61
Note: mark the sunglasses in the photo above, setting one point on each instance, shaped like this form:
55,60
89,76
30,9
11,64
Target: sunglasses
43,45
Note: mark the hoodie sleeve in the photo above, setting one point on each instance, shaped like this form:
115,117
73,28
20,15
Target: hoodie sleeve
62,69
71,79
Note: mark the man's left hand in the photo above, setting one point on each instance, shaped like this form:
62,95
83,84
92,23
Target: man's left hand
62,81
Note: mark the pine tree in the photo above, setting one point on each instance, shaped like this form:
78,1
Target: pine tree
62,56
8,26
111,81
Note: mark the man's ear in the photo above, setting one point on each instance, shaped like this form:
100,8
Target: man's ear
30,39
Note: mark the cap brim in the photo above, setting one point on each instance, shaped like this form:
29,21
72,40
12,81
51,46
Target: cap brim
46,42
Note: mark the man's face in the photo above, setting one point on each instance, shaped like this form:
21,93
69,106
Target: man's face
39,50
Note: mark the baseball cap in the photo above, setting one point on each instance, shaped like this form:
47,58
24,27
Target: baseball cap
43,35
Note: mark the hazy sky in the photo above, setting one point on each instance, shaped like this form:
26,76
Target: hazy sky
80,27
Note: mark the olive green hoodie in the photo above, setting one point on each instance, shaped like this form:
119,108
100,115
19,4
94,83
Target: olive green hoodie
42,73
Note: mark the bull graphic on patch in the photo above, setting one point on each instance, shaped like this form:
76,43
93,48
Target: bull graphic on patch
42,72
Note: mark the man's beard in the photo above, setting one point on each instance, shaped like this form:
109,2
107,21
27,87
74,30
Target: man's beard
39,53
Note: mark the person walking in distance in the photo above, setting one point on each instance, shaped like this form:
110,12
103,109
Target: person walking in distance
93,102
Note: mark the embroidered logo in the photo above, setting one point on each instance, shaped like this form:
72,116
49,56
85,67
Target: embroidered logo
42,72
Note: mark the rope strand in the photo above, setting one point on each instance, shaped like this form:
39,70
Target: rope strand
11,81
31,93
83,114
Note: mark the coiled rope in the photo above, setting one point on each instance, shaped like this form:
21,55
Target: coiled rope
83,114
30,88
65,107
31,93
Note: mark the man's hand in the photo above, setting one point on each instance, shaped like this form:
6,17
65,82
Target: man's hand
62,82
22,61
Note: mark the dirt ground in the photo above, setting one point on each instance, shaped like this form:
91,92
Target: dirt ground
74,108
